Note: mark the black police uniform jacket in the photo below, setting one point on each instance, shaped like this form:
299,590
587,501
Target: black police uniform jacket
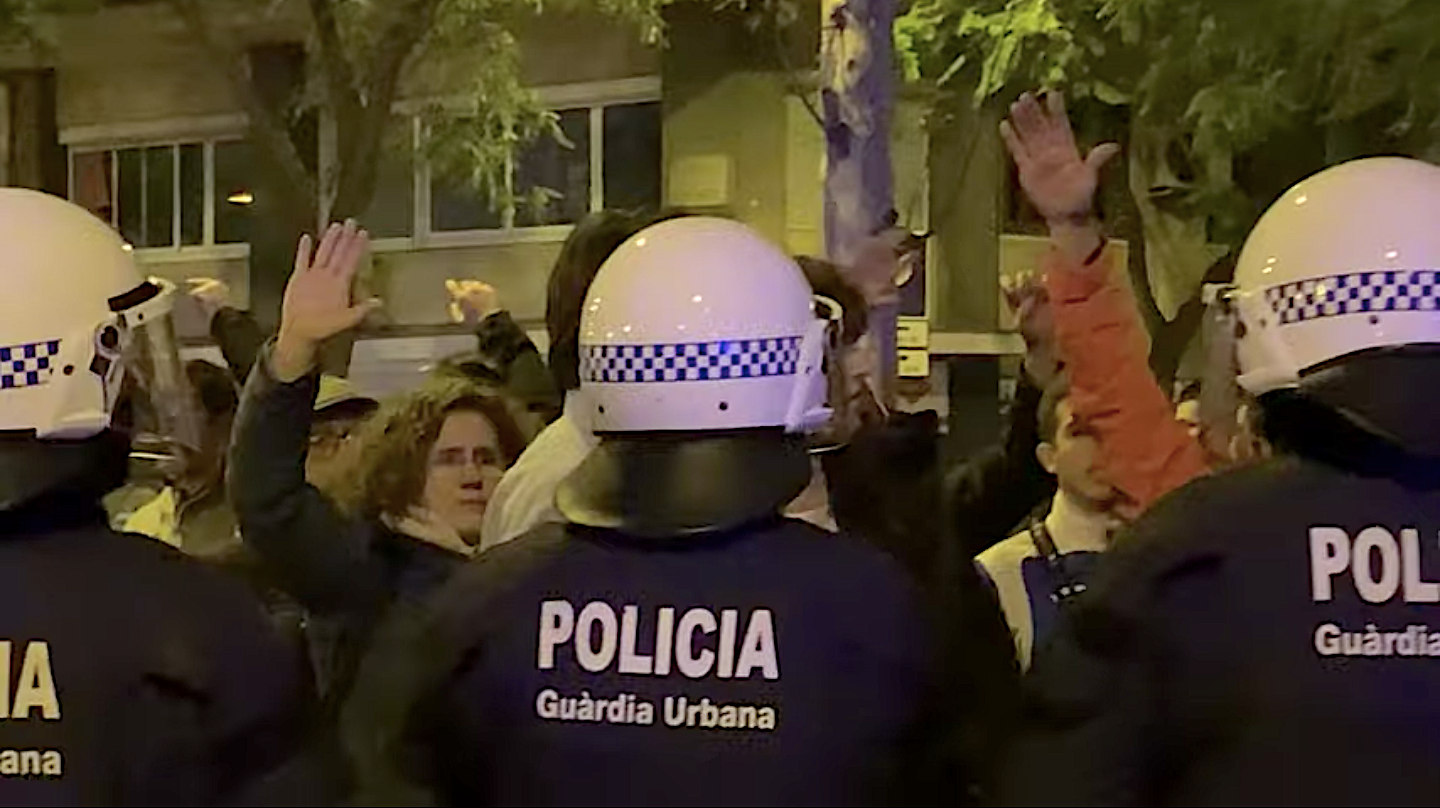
776,664
1264,637
132,675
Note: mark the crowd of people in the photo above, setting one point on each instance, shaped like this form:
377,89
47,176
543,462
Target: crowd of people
696,556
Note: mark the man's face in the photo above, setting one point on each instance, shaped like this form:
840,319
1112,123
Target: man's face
1073,457
465,465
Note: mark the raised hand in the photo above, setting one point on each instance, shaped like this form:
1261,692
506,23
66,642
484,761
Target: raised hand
471,301
212,294
1027,298
1057,180
317,302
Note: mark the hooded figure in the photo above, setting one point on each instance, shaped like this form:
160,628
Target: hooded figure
133,674
1264,636
679,641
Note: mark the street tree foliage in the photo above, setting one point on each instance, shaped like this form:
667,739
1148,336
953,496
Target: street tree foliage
1220,104
360,53
1209,86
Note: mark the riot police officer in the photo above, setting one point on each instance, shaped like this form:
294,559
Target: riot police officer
1266,636
128,674
679,642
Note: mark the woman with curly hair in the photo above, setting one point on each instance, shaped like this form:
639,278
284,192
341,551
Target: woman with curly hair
407,512
426,464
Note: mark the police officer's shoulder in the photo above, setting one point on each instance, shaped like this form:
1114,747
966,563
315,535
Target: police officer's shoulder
496,571
204,598
1187,535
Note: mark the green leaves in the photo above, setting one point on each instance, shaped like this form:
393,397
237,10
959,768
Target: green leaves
1221,79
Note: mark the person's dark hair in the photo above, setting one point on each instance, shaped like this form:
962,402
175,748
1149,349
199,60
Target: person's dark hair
592,241
392,448
825,280
1049,414
214,388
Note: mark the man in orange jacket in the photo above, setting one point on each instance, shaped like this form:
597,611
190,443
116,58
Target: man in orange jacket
1143,451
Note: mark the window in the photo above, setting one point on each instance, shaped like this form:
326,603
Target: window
553,183
200,193
233,190
632,156
156,196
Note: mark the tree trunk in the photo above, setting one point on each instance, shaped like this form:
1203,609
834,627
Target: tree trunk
858,97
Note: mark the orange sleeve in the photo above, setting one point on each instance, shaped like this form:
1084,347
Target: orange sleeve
1144,452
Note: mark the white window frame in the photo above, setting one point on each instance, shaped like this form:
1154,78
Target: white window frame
216,128
594,95
204,130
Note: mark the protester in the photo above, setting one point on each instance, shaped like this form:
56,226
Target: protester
1037,570
190,513
805,696
339,407
139,676
1143,451
421,473
1250,640
505,356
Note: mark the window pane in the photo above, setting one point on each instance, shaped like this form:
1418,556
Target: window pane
392,209
234,191
563,172
159,230
632,156
130,196
456,206
92,182
192,194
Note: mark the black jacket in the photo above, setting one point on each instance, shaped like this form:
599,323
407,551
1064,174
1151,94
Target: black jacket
137,676
1236,649
345,570
822,686
240,339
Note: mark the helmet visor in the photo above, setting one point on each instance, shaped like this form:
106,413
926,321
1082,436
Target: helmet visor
851,384
165,421
1226,411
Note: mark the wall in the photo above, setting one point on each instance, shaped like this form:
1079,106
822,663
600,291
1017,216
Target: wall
134,74
725,98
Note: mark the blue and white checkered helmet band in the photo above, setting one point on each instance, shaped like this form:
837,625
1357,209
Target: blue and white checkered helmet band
27,365
690,361
1355,293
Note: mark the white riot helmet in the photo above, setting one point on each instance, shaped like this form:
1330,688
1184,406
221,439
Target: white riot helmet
701,366
76,312
699,324
1346,261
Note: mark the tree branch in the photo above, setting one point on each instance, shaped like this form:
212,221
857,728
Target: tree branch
267,124
360,147
412,22
339,74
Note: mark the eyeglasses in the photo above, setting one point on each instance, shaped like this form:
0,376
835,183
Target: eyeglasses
322,435
457,458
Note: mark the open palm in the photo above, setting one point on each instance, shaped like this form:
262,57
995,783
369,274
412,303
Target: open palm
1057,180
318,297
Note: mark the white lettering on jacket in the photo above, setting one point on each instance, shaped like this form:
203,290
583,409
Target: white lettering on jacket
697,644
1376,565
